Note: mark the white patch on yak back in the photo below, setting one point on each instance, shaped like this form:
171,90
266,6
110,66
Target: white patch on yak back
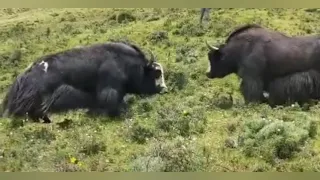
45,65
162,81
79,47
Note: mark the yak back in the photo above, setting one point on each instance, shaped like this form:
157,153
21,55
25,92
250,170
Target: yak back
95,52
241,29
80,66
254,32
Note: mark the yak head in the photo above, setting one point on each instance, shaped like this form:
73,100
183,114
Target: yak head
153,78
219,64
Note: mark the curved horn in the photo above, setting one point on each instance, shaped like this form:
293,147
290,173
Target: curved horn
211,47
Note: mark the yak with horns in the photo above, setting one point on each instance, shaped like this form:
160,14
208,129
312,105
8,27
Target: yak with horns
268,60
96,77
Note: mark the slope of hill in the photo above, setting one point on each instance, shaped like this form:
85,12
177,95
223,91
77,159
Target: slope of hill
201,125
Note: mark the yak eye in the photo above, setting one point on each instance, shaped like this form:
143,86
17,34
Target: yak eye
157,74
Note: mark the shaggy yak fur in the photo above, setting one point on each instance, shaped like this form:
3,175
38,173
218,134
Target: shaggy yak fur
96,77
264,59
298,87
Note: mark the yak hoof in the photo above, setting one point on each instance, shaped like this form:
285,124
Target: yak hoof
46,120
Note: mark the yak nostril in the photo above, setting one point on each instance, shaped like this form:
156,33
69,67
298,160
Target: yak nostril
164,90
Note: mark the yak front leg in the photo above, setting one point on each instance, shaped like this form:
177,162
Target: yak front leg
252,90
109,102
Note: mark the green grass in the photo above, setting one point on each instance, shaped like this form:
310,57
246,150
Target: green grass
201,125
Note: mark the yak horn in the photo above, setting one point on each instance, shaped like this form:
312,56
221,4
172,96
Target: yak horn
211,47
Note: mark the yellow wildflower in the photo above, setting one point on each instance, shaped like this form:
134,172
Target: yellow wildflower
73,160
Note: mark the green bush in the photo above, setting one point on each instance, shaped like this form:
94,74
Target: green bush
275,139
182,121
180,155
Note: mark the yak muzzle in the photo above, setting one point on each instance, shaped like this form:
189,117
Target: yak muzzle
164,89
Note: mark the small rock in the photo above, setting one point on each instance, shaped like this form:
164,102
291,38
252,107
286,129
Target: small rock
230,143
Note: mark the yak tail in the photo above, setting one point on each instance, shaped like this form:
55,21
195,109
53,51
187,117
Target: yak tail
23,97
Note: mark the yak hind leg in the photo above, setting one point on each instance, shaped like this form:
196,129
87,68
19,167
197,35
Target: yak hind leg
67,97
64,98
300,87
35,114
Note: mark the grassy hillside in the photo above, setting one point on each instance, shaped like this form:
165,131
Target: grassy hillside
200,125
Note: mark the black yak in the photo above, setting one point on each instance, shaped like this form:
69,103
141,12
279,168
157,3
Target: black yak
96,77
259,56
